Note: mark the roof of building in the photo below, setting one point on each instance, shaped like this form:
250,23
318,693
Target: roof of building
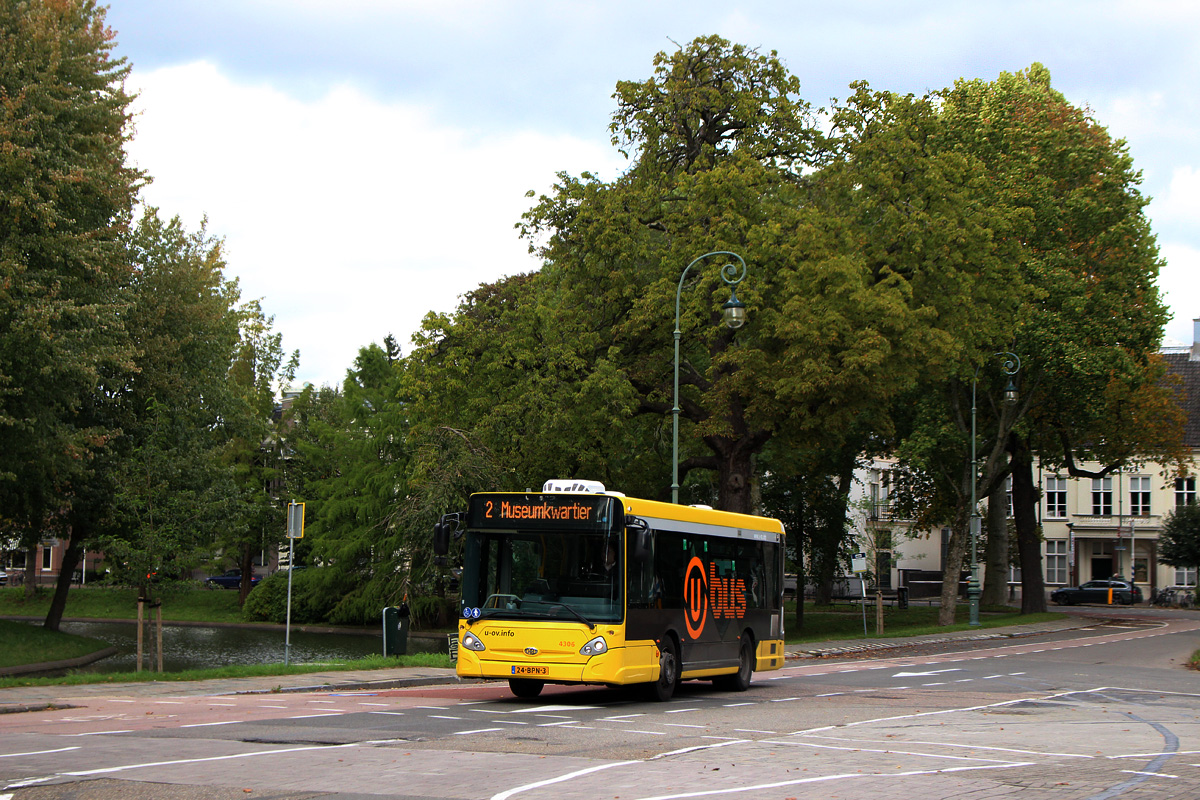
1188,370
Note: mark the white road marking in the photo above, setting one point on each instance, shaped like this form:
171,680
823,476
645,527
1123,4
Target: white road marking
544,709
38,752
551,781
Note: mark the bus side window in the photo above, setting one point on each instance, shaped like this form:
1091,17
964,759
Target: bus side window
640,581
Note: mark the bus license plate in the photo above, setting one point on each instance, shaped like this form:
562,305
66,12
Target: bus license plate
530,670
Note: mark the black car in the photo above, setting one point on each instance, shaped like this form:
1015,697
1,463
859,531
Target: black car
230,579
1123,592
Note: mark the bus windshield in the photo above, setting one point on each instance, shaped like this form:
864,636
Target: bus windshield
544,575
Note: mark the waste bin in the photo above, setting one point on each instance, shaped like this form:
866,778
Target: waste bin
902,597
395,630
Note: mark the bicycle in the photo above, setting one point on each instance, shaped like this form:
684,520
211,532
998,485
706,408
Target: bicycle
1164,598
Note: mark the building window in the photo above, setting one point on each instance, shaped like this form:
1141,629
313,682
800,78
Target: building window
1056,497
1102,497
1008,497
47,558
1139,496
1185,576
1185,491
1141,570
1056,561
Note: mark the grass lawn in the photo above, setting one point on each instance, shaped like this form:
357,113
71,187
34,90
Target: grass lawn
183,604
29,644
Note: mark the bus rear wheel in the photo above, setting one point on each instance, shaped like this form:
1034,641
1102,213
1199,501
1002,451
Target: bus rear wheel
525,687
669,667
740,680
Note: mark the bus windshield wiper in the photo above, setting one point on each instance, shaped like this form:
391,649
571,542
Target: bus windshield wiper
574,612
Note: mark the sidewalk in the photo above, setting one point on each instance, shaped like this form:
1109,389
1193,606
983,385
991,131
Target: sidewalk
35,698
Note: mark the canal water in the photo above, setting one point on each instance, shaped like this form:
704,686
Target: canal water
191,647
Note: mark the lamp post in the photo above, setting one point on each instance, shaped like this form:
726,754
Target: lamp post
734,314
1011,366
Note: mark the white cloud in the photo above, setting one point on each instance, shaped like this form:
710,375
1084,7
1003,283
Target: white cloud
1182,201
1179,282
350,216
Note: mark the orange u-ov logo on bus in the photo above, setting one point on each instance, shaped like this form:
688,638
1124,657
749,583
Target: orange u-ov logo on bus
695,597
703,591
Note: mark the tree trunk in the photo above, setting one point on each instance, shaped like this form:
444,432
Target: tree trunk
1029,540
247,567
58,604
31,571
952,568
995,579
735,490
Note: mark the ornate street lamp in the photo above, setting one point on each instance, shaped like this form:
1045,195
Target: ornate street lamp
734,314
1011,366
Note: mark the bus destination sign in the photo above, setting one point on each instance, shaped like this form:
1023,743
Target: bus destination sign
594,512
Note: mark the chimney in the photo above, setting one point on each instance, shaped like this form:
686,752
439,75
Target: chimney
1195,355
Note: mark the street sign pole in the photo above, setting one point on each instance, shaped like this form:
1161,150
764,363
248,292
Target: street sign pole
295,530
858,564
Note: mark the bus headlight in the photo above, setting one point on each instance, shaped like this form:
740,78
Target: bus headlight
595,647
472,642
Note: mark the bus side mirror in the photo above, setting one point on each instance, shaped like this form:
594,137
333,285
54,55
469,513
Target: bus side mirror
641,545
441,538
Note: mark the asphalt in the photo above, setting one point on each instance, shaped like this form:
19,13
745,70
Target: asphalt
36,698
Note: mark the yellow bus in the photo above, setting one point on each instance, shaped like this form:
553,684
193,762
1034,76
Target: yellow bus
579,585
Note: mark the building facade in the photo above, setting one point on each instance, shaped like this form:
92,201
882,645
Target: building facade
1093,528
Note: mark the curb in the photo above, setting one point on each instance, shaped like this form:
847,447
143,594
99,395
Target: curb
825,652
392,683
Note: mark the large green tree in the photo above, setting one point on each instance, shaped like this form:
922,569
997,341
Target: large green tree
1091,316
722,149
156,493
254,453
66,193
356,441
531,386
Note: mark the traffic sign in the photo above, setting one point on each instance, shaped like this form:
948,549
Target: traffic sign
295,521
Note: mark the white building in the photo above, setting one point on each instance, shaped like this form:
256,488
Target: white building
1093,527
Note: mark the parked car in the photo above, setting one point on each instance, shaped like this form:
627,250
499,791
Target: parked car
1097,592
230,579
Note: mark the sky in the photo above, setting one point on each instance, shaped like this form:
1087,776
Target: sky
366,161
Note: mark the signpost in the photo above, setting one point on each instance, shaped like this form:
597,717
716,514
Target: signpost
295,530
858,565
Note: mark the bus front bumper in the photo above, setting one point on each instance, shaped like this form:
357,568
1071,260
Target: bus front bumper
633,663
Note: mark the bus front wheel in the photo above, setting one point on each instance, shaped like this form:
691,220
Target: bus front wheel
525,687
669,667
